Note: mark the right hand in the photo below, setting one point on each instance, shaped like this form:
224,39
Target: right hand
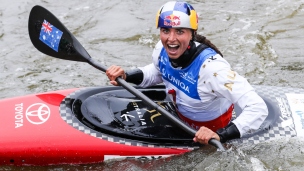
113,72
204,134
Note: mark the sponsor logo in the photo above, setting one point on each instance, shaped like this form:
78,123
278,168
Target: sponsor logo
156,157
38,113
179,83
284,113
300,114
297,111
175,81
187,76
172,20
18,115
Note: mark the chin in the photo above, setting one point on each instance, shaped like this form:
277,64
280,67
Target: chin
173,57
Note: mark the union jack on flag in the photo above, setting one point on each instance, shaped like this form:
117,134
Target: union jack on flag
50,35
47,27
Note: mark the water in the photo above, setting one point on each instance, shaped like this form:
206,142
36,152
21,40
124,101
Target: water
262,40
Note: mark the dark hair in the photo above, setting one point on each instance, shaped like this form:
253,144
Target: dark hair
204,40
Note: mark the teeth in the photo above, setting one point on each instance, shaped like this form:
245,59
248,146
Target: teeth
172,46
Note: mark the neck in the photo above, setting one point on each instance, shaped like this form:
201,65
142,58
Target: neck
185,59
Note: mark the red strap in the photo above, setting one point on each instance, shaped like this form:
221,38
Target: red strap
214,125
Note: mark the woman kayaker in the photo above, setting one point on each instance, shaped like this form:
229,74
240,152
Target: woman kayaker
199,80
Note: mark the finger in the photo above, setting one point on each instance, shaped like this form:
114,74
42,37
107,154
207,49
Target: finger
109,70
114,83
115,72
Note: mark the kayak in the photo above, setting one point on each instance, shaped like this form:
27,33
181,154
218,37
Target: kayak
95,124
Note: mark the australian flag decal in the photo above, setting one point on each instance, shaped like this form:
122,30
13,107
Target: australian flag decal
50,35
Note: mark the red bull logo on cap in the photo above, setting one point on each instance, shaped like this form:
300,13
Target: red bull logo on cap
172,20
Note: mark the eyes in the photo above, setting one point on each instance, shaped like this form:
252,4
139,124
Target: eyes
177,31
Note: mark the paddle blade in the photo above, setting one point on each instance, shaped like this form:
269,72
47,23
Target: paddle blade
52,38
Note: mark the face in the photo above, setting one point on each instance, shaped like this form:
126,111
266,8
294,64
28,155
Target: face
175,40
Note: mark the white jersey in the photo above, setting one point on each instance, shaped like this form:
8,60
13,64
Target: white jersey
218,87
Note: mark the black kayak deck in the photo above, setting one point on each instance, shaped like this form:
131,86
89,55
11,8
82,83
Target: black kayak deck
114,114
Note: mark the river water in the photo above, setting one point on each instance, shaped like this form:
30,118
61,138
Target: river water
262,40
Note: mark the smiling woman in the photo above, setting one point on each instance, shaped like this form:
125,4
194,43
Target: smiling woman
206,102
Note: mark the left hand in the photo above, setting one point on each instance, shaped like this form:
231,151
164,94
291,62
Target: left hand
204,134
113,72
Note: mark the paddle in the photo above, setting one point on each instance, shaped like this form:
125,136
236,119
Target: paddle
52,38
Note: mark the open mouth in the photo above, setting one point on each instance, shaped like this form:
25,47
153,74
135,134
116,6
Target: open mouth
173,47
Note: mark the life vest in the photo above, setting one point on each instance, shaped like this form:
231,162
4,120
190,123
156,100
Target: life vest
183,82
